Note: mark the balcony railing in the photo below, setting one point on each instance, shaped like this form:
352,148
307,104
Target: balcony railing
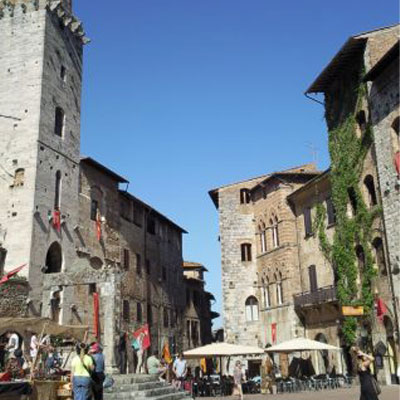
322,295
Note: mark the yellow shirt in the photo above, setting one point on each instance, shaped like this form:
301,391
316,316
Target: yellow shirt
78,369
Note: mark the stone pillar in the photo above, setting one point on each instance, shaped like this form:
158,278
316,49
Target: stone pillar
107,300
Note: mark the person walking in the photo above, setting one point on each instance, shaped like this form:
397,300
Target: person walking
238,379
180,370
368,385
81,368
98,375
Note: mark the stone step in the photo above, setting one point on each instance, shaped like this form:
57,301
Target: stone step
133,396
151,392
133,378
137,386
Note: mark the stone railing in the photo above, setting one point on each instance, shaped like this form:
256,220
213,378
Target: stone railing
322,295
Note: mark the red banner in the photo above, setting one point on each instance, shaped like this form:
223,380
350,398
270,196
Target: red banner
381,309
142,335
98,225
273,333
6,277
57,220
96,307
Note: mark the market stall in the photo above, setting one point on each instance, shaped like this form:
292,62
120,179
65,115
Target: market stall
44,377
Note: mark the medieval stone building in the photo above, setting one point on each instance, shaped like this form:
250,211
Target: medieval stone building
363,142
259,257
95,254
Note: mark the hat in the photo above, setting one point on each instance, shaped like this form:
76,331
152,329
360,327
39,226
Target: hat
95,347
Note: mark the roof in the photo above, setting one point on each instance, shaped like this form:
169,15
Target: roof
194,265
353,47
214,192
286,174
132,197
310,183
391,55
95,164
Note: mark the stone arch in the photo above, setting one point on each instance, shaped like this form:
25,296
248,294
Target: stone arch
369,186
380,261
54,258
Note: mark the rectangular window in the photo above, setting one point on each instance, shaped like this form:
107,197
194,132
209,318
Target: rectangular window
330,209
137,215
312,273
139,315
63,73
148,266
126,259
94,205
245,196
138,264
126,311
246,251
308,221
149,314
151,225
59,122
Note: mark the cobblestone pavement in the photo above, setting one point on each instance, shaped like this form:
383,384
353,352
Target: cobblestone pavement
388,393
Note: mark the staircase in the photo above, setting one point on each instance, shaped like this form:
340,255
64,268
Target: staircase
141,387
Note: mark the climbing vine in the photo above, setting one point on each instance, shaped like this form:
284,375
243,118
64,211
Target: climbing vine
348,153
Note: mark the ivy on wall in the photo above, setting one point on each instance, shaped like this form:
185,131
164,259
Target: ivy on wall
348,153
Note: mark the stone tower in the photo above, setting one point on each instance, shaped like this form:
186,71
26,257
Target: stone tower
41,50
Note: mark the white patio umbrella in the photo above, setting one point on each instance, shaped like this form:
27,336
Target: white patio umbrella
300,344
222,350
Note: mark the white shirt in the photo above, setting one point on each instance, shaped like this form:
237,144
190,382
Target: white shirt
13,343
34,346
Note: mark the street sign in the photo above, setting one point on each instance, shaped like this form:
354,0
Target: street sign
352,311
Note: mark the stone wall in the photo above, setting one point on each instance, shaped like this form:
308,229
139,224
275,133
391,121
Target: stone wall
13,298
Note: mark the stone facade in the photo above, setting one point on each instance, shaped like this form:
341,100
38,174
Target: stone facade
198,313
339,82
250,212
65,216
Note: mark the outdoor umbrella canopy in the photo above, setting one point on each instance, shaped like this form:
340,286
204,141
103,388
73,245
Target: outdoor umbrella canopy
222,350
300,344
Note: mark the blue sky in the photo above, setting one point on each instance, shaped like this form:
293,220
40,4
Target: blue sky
181,96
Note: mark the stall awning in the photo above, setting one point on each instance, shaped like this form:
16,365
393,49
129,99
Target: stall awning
39,324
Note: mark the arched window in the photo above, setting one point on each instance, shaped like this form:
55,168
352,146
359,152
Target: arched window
57,195
353,200
279,289
266,294
245,196
361,120
379,255
275,231
370,187
245,251
59,121
263,237
54,259
360,257
251,309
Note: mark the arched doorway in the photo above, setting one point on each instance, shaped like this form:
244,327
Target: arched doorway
391,348
322,356
54,259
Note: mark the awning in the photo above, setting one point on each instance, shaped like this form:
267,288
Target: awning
39,324
222,350
300,344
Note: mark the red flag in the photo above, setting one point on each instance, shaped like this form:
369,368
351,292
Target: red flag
98,225
397,162
6,277
381,309
96,306
273,333
142,335
57,220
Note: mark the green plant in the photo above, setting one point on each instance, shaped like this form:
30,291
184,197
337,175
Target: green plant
348,153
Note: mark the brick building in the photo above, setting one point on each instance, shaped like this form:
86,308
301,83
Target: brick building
259,257
198,313
371,181
88,243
